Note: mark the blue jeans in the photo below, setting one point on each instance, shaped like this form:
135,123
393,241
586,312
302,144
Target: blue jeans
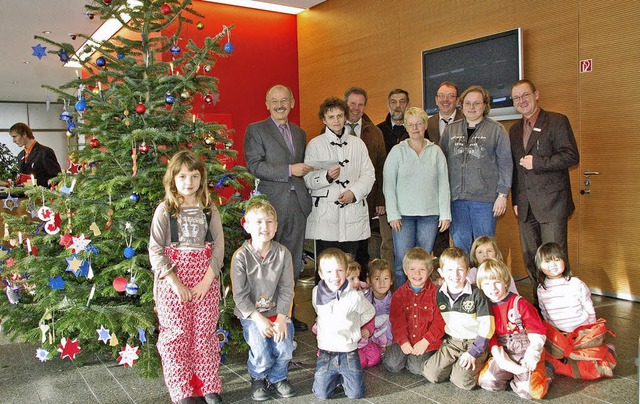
470,220
267,360
416,231
338,368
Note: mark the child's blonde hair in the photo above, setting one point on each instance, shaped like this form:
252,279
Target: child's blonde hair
420,255
493,269
193,163
352,267
455,254
482,240
340,256
262,206
548,252
377,266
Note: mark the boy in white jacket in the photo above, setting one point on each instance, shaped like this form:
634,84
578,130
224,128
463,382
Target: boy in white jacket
342,312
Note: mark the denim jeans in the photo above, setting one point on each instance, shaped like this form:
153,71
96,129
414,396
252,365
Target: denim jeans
267,360
470,220
416,231
338,368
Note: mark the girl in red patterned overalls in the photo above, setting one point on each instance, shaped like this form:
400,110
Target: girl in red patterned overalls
186,250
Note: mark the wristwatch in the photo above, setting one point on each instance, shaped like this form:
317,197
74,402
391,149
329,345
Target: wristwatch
503,195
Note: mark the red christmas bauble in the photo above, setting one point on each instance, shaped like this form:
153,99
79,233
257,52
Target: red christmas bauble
143,148
107,2
94,142
165,8
140,108
208,98
120,284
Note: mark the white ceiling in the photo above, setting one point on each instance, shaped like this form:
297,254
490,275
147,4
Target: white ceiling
20,20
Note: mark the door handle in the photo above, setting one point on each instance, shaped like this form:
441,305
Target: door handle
588,173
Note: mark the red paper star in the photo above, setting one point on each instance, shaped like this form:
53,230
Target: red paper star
34,251
68,349
72,167
66,240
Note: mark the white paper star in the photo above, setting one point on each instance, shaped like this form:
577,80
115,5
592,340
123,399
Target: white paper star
128,355
42,355
79,243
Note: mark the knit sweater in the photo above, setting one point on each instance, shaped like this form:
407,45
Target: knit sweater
566,304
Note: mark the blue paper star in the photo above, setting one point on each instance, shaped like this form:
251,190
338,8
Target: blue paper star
83,270
64,56
103,334
56,283
4,251
75,264
39,51
142,335
10,203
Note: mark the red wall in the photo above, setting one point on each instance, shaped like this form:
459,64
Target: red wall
265,53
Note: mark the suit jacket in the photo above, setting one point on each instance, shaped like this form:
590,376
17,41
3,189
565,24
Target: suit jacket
372,137
41,162
433,127
546,189
267,156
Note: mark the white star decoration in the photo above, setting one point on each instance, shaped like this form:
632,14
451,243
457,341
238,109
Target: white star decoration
79,244
42,354
128,355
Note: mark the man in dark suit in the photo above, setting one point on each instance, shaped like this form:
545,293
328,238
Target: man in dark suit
543,149
274,152
447,101
34,160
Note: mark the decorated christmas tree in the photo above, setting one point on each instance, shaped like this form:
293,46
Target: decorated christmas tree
76,269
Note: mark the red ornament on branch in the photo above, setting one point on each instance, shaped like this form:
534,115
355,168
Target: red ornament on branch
140,108
165,9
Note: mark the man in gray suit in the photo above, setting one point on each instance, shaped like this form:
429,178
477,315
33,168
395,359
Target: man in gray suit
274,152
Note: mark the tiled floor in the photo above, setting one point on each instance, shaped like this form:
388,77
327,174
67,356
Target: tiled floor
25,380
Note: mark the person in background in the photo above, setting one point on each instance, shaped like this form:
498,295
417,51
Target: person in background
543,149
35,159
342,178
359,124
447,102
416,188
274,150
393,132
483,248
480,169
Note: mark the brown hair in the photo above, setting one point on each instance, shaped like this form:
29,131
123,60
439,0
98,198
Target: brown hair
398,91
485,98
377,266
420,255
525,81
193,163
331,103
22,129
263,206
482,240
356,90
455,254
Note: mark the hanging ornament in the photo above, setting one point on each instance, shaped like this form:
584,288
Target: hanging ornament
207,68
143,148
131,289
140,108
87,49
127,121
68,349
39,51
10,202
103,334
81,104
129,252
134,197
128,355
120,284
169,99
185,94
200,25
208,98
255,191
42,354
228,47
71,127
101,61
120,56
63,55
165,9
65,115
13,292
142,336
175,50
223,336
94,142
107,2
209,140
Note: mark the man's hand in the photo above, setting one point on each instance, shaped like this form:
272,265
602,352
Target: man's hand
515,210
527,162
499,206
443,225
380,210
300,169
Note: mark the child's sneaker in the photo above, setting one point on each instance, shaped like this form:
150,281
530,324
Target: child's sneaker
259,391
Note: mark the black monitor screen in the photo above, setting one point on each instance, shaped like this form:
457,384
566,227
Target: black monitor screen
492,62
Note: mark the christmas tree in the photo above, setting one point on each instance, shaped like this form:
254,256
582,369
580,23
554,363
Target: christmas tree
76,270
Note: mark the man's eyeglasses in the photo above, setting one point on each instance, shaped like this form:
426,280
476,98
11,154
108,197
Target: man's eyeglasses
517,98
448,96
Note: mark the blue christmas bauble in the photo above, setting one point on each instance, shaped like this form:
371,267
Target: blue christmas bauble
101,61
134,197
81,105
175,50
131,289
71,126
169,99
228,47
66,116
129,252
120,56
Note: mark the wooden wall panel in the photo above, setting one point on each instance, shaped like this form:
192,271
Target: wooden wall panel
378,44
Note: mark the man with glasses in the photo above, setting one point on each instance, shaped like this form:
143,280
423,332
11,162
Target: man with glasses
274,151
447,101
543,149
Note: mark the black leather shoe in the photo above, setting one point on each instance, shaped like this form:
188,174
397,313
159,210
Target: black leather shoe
259,390
284,389
188,400
213,398
299,325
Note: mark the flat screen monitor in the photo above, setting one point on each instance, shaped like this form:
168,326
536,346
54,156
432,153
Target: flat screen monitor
493,62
